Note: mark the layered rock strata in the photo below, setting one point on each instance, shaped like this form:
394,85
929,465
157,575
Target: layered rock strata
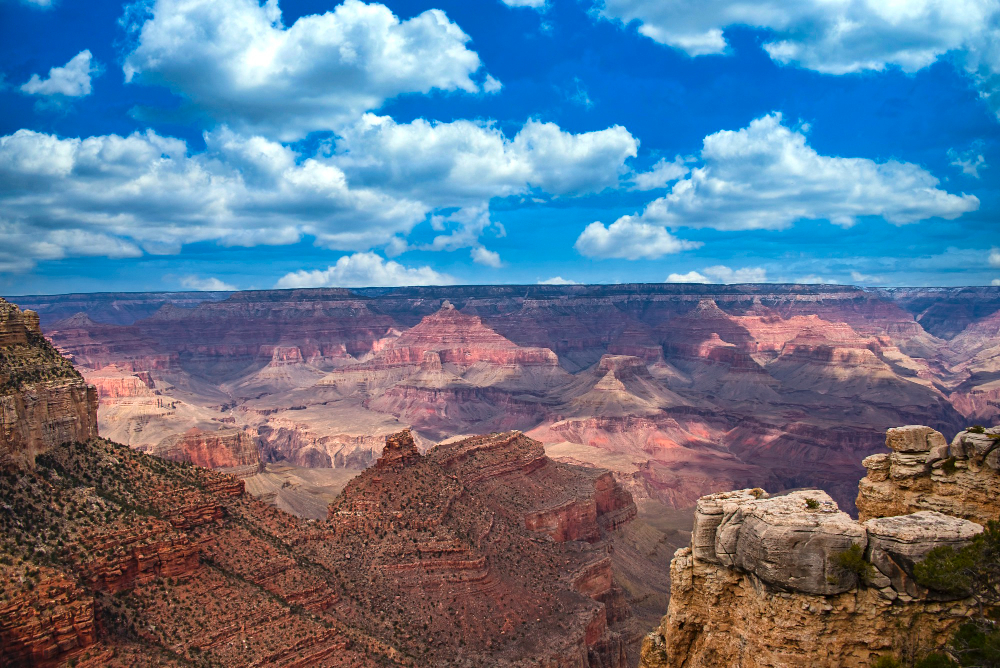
925,472
791,580
43,400
228,450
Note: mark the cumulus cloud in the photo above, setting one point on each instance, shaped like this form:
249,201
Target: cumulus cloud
766,176
44,4
661,174
112,195
486,257
71,80
629,238
465,162
833,37
995,282
235,61
970,161
362,270
690,277
557,280
210,284
534,4
995,257
721,274
858,277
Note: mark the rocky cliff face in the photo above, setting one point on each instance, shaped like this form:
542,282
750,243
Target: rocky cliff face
765,581
43,401
228,450
925,472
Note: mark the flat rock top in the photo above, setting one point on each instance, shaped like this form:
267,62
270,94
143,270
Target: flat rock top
793,510
926,525
912,438
713,504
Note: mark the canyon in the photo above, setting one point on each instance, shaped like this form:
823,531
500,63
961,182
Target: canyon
680,390
478,551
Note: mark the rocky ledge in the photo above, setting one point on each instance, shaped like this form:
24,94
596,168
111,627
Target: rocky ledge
925,472
792,580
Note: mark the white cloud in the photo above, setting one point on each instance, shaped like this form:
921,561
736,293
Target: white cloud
812,279
723,274
111,195
970,161
236,62
491,85
629,238
363,270
766,176
70,80
210,284
557,280
463,163
690,277
858,277
486,257
995,282
44,4
661,174
834,37
534,4
995,257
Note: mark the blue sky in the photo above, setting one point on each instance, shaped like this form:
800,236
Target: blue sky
196,144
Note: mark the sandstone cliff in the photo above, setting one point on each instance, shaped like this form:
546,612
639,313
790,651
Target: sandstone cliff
791,580
43,401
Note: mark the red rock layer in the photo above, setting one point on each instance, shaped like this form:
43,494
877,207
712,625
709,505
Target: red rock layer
231,450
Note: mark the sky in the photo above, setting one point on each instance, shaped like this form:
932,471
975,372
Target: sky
169,145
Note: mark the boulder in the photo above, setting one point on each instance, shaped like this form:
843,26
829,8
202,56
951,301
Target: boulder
708,516
912,438
791,542
895,544
878,466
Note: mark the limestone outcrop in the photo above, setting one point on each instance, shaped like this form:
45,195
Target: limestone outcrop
925,472
790,580
43,400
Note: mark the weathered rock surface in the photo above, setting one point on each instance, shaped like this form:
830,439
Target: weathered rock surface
895,544
959,479
708,515
790,542
43,401
776,592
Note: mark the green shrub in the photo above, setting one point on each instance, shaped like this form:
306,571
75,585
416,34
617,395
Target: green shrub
887,661
936,660
812,504
853,560
976,429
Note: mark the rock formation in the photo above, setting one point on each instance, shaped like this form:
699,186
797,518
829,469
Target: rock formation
731,385
925,472
44,402
790,580
482,552
228,450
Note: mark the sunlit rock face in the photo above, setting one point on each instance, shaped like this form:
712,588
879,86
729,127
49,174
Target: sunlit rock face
766,580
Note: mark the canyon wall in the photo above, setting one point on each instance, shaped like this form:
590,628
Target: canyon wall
735,386
43,400
791,580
